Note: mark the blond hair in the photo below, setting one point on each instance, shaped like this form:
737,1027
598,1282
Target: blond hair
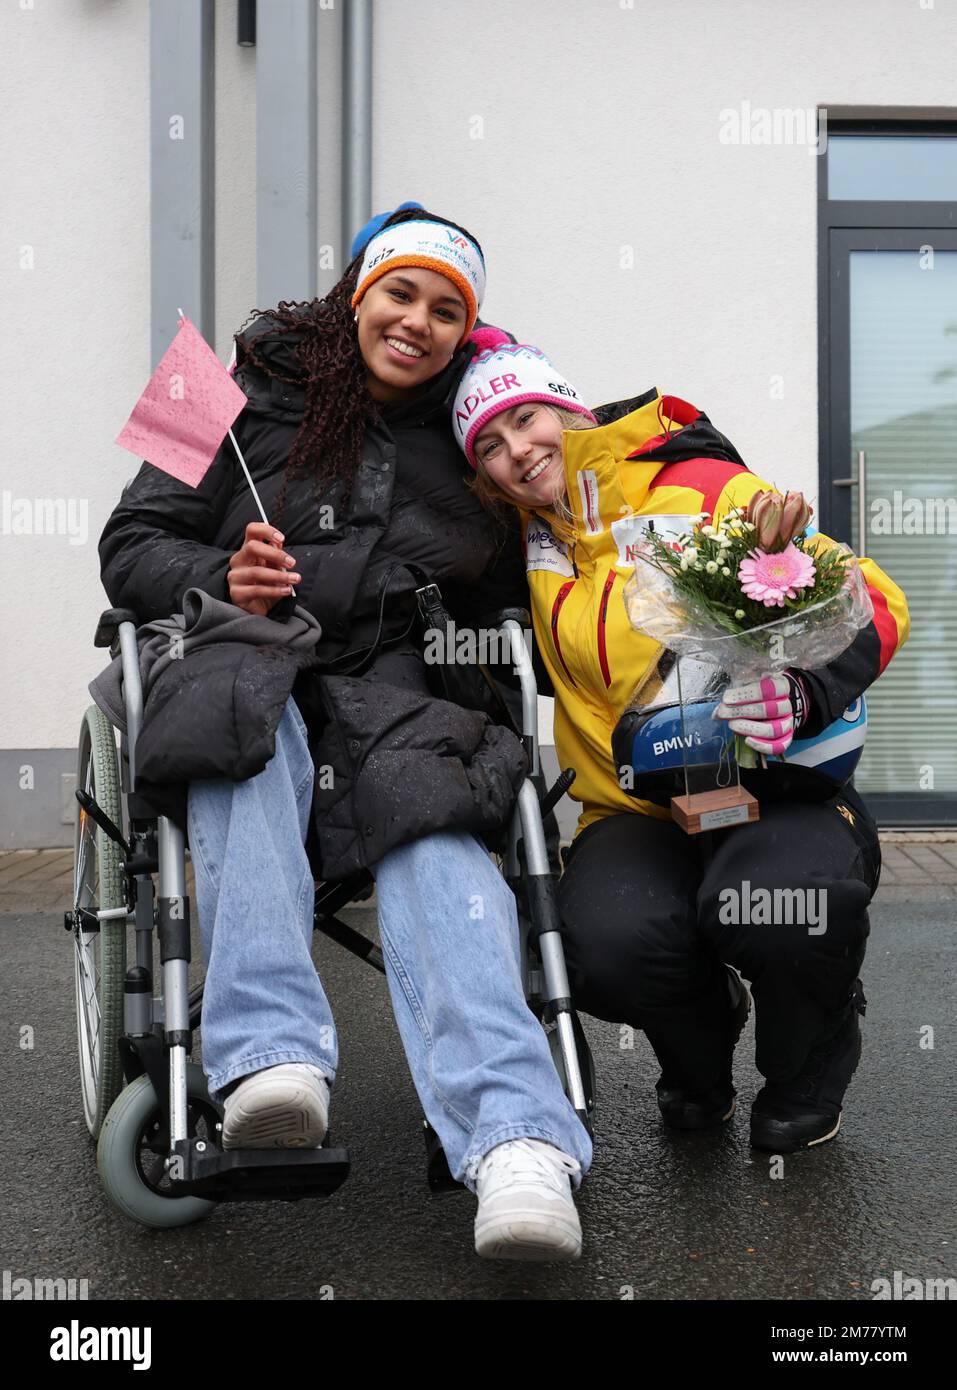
493,498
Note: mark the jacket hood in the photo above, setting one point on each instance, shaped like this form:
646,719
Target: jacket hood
614,410
274,341
695,435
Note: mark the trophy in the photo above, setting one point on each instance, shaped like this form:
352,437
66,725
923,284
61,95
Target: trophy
671,752
713,796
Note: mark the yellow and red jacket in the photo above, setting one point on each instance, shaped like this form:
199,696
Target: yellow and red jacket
664,459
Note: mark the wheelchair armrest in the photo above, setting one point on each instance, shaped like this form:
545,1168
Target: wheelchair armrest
497,619
108,625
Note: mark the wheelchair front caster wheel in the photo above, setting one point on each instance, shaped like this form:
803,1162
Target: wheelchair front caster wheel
131,1161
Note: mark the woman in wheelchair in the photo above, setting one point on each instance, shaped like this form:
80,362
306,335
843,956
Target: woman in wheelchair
646,931
346,434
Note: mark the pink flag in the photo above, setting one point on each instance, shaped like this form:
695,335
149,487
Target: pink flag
187,409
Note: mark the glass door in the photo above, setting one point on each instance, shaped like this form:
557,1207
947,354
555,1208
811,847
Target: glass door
889,488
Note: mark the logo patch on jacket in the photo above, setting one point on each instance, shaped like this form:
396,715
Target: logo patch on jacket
631,530
543,551
591,509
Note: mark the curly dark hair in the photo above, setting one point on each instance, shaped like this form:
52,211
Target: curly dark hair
339,408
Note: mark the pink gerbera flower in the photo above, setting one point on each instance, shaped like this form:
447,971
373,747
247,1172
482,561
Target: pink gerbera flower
770,579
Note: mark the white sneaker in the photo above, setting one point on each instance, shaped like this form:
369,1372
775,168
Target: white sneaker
526,1210
285,1107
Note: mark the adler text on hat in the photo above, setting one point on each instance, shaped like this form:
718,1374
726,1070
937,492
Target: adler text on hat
76,1343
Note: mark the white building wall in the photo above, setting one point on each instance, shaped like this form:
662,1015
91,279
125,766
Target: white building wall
561,131
74,351
568,135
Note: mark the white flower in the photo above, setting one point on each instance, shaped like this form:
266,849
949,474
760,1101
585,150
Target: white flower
698,565
725,571
725,542
685,562
712,567
739,613
691,551
707,531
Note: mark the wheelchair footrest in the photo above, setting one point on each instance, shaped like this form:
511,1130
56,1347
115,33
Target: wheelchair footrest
437,1171
250,1175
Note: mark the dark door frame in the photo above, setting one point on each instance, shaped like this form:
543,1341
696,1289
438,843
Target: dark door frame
866,226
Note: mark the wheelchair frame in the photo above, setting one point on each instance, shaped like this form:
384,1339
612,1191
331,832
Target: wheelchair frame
156,1040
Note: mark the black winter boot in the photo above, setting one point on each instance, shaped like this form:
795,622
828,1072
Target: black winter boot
807,1110
683,1107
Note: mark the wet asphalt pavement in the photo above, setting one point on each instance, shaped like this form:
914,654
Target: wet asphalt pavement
665,1215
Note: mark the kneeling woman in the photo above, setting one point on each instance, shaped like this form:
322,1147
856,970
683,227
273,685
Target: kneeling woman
642,901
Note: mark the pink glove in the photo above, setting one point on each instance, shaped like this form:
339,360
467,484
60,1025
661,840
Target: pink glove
768,711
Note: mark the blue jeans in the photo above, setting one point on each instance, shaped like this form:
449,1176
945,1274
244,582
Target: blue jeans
478,1056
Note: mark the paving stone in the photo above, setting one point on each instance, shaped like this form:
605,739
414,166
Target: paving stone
21,867
42,880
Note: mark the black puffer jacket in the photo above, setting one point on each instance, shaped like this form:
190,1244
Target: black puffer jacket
403,764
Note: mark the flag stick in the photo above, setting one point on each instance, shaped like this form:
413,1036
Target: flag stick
252,485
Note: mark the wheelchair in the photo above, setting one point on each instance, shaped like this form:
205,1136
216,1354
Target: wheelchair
158,1133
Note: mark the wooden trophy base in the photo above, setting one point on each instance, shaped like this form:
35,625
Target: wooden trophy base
714,810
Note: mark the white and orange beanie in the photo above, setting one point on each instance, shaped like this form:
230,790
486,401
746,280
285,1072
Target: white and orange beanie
431,246
502,375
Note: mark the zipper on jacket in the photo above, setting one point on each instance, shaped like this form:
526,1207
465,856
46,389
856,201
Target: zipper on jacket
602,615
560,598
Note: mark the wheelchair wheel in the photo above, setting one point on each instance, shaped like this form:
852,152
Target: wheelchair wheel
131,1163
99,956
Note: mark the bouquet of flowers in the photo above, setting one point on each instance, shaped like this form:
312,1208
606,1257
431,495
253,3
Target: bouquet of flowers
751,595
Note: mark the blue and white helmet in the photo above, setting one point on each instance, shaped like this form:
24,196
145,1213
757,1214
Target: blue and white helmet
652,747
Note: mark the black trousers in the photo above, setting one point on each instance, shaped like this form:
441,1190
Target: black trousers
651,914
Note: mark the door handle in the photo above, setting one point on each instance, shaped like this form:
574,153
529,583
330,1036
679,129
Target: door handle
860,482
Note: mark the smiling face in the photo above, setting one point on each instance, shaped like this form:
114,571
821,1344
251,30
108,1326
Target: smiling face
410,323
520,452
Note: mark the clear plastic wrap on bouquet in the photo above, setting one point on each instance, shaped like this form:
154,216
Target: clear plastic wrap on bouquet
684,624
